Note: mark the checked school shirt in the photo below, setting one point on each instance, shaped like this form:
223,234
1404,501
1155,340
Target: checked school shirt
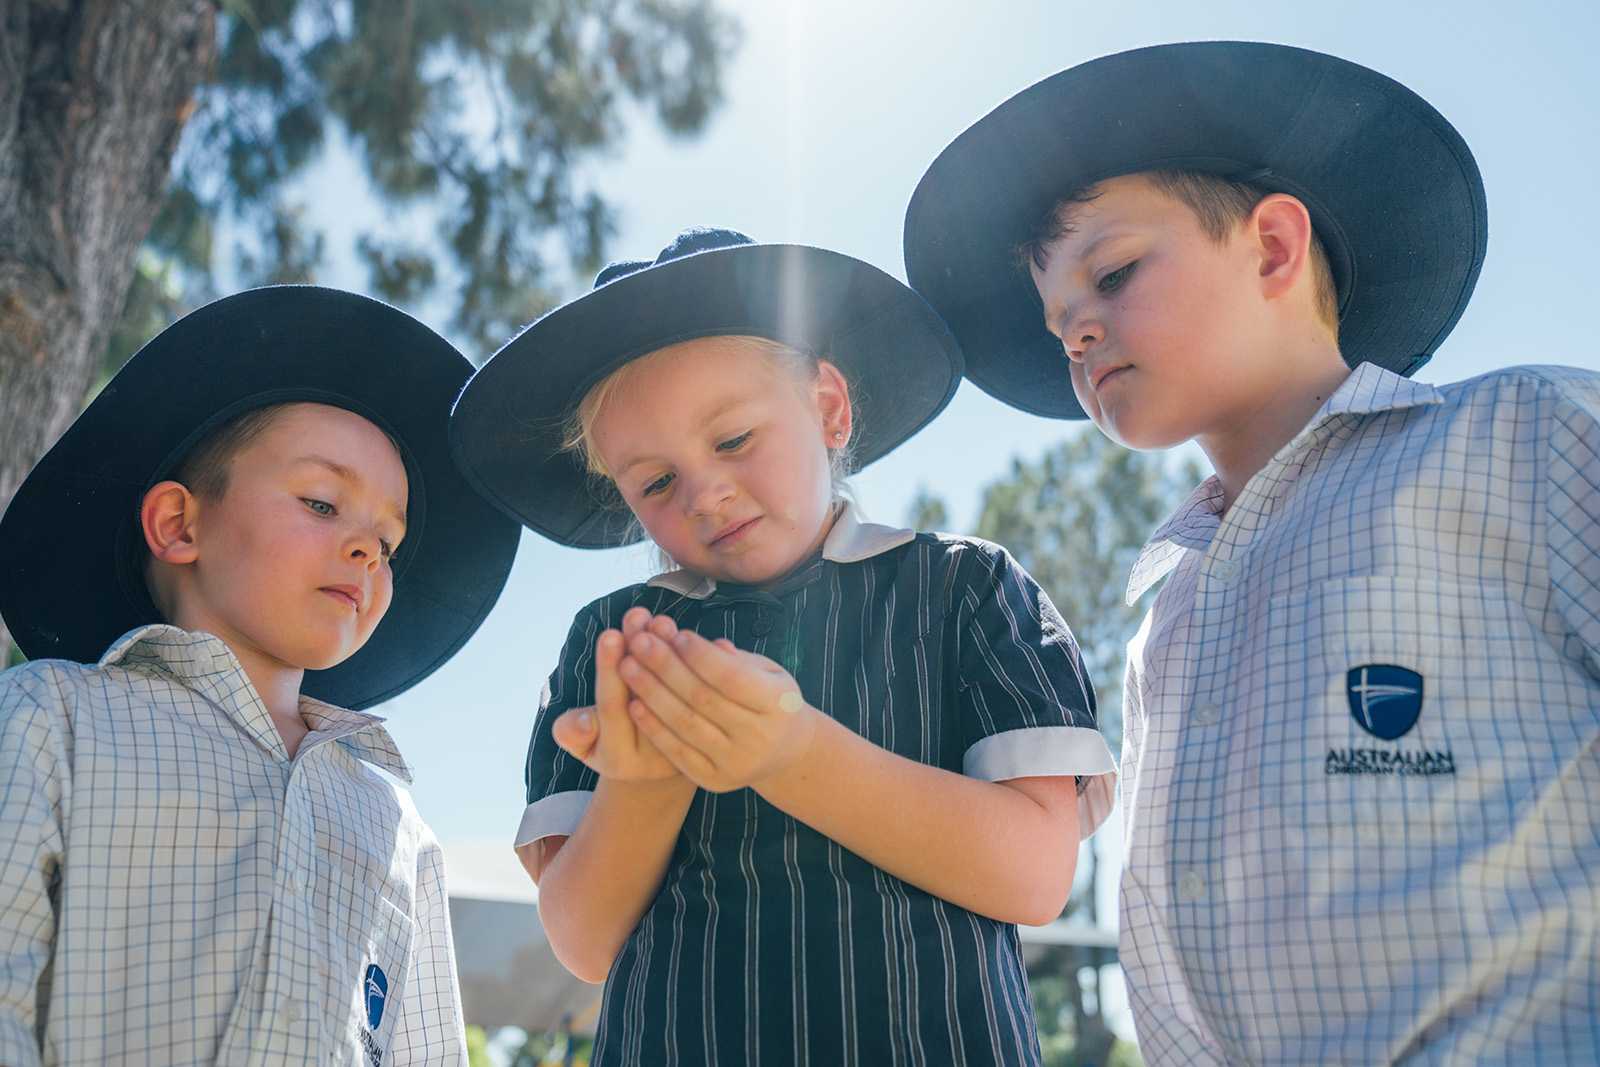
768,943
175,890
1361,776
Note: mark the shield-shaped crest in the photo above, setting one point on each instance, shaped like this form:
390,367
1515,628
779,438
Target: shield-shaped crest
1384,699
376,988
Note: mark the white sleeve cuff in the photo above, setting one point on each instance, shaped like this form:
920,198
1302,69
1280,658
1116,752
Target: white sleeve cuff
1051,751
556,815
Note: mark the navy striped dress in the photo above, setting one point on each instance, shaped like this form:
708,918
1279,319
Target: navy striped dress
769,943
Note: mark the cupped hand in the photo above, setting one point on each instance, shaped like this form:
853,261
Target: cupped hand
604,736
724,717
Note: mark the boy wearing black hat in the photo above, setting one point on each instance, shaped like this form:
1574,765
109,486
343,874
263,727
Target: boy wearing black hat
197,864
1361,741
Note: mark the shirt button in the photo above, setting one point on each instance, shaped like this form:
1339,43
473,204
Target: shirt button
1206,714
763,625
1190,887
1225,570
291,1013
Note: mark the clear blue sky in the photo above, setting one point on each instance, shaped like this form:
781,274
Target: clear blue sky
835,107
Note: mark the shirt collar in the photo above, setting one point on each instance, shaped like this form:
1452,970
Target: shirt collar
205,665
1367,390
850,541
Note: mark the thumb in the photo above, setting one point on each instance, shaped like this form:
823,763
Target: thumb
576,731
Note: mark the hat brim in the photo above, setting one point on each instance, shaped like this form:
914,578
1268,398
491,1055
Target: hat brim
902,364
70,564
1392,190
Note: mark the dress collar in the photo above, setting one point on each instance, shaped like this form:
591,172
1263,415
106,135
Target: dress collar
850,541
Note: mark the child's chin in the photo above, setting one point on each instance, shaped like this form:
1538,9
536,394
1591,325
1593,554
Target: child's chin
1140,437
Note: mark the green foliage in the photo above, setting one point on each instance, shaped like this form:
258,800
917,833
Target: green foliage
477,116
554,1050
478,1048
927,512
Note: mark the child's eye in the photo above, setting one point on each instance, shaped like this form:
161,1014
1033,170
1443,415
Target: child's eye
386,550
1115,280
733,444
658,486
321,507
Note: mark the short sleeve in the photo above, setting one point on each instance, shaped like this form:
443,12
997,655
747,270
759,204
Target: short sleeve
559,786
1572,516
1027,704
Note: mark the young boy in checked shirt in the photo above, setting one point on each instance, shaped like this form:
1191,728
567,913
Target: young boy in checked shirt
1362,743
197,863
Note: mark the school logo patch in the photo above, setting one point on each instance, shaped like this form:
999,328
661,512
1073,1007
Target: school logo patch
1384,699
375,987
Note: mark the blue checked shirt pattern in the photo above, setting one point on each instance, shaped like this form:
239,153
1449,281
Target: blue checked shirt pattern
175,890
1298,889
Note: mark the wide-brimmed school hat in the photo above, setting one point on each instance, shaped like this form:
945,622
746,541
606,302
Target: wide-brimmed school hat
1392,190
508,427
71,550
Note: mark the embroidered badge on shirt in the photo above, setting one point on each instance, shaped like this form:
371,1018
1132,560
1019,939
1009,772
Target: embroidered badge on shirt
375,991
1385,701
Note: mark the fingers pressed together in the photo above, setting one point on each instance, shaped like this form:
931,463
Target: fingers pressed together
724,717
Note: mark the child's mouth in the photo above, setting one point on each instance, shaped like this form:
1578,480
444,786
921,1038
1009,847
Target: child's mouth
344,595
734,533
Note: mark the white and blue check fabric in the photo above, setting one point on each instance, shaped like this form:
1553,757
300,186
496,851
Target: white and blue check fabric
1361,774
175,890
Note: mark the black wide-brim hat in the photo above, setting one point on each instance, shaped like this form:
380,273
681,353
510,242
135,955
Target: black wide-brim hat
71,550
897,355
1392,190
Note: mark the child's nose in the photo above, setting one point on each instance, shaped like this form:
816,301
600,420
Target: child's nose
1083,334
365,547
709,493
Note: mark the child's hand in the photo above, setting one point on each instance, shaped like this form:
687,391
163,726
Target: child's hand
603,736
726,718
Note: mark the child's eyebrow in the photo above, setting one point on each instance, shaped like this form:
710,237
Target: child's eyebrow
709,418
395,512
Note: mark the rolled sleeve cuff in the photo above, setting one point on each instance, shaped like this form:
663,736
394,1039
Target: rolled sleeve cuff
556,815
1051,751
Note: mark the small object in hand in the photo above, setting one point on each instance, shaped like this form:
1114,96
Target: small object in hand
791,702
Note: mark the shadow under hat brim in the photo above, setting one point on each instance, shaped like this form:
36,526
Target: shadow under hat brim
1392,190
902,364
70,550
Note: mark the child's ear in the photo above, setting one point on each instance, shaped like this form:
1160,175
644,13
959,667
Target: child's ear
1282,229
833,404
168,516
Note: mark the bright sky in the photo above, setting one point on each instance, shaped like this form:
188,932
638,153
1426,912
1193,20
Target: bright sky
834,108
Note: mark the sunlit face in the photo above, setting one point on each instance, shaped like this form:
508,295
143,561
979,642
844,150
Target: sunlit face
1160,324
722,454
293,560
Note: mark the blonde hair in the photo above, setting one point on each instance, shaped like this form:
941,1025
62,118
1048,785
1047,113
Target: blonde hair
799,365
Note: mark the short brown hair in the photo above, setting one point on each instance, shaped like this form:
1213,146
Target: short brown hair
1219,205
204,470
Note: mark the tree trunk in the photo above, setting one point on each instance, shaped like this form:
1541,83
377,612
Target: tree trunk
93,97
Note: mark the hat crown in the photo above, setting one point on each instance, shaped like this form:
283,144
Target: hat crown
691,241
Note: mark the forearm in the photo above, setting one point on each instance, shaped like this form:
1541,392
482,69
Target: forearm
597,886
983,845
